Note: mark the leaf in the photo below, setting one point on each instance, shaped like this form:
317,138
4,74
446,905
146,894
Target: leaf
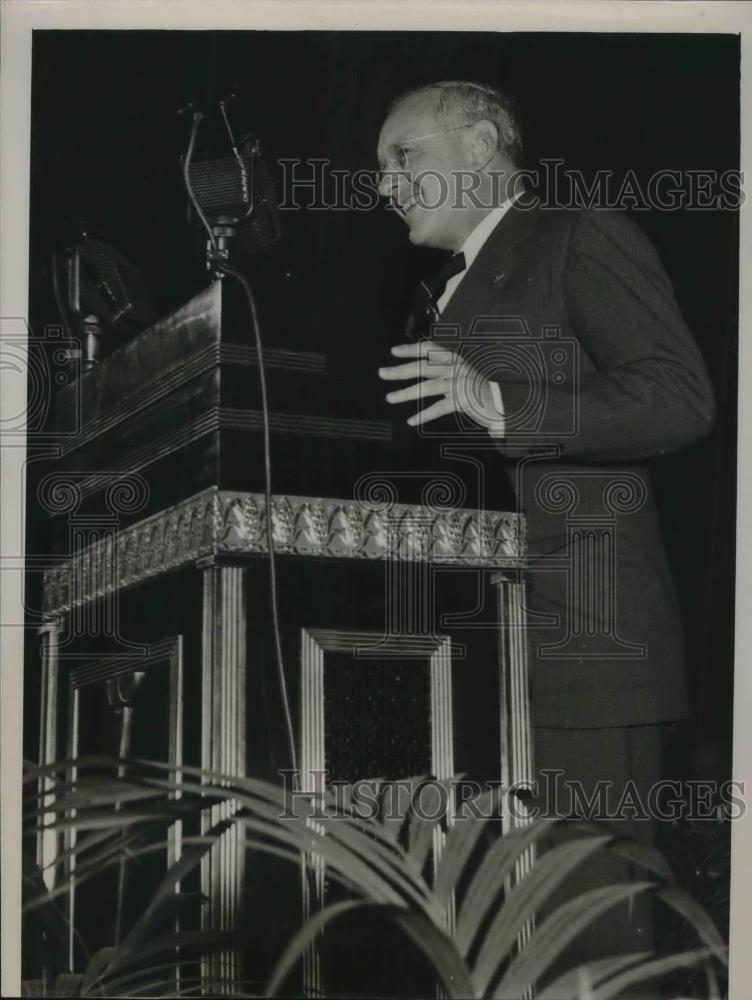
91,820
695,915
461,841
525,899
217,986
94,847
33,988
169,909
419,841
261,798
67,984
341,856
48,914
391,813
557,930
96,968
98,862
219,782
567,986
388,860
254,793
192,855
713,992
650,970
304,937
89,795
488,880
93,761
643,856
202,942
439,949
294,856
84,843
441,952
635,851
367,839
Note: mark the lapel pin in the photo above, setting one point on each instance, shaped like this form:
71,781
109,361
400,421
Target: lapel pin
499,276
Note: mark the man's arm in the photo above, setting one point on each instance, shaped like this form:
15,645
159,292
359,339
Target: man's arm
650,392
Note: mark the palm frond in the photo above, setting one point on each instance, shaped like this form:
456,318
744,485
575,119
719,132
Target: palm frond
557,931
524,900
380,859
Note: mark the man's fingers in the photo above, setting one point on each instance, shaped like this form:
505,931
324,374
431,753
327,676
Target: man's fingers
432,412
411,350
428,387
425,368
419,349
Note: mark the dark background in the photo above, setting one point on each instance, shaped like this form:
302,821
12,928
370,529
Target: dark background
106,142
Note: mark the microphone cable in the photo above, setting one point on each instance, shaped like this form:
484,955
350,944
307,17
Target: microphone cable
273,589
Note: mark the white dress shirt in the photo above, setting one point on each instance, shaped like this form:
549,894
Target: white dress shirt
471,248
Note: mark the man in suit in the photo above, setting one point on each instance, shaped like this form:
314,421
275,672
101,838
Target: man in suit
558,338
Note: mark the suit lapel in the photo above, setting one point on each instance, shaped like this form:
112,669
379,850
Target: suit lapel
490,271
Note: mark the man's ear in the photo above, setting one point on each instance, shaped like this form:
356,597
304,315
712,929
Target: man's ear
484,142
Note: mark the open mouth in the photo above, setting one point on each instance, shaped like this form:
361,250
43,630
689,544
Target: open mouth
408,207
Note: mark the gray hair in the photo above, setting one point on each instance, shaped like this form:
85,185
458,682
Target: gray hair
459,101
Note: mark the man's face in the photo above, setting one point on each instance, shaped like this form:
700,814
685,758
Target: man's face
423,191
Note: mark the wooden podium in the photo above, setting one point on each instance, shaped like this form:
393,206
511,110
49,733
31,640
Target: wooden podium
402,613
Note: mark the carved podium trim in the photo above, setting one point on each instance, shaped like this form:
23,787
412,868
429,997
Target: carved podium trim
225,522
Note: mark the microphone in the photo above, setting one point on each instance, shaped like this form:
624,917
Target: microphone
102,297
262,229
232,195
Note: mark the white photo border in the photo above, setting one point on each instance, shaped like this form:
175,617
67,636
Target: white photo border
19,19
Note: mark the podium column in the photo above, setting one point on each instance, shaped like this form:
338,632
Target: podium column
48,839
517,768
517,764
223,750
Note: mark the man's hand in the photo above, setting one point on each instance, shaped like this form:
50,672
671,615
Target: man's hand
462,388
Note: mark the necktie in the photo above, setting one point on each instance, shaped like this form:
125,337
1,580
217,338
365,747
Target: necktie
424,310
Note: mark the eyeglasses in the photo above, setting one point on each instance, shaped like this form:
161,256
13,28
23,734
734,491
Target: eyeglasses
400,161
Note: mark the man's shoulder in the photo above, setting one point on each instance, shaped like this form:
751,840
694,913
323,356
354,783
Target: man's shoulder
588,223
588,235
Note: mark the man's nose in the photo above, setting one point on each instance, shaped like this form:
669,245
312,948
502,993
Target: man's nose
387,185
392,184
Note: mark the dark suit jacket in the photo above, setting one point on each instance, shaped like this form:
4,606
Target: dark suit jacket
572,313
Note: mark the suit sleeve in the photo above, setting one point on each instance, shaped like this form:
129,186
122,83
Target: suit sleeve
645,390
